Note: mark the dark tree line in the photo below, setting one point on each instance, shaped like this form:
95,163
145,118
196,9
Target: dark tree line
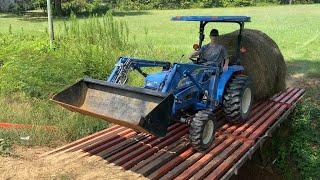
58,6
65,7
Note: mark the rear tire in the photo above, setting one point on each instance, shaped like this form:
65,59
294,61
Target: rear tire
237,99
202,130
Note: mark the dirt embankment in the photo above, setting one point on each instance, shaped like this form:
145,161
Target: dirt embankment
26,163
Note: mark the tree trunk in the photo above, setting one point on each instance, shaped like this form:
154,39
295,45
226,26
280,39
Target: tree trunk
58,7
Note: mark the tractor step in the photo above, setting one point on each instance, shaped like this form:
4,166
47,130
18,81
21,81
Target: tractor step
172,156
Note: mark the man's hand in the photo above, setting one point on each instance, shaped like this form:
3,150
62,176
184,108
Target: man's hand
226,65
195,54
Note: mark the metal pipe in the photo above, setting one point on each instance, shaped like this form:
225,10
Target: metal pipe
50,23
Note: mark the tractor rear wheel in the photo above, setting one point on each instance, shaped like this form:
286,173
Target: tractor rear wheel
202,129
237,99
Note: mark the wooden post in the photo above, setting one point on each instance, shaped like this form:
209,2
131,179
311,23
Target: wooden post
50,23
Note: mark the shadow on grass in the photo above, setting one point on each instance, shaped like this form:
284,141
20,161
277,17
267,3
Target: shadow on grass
32,16
307,68
130,13
305,74
2,15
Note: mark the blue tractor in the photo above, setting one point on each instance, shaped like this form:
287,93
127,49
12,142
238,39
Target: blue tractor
187,93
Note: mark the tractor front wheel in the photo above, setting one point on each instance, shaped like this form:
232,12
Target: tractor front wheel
202,130
237,100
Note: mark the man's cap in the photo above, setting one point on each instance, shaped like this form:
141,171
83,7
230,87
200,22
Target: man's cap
214,32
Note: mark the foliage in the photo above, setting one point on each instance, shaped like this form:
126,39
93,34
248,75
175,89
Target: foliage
300,149
176,4
37,70
39,4
32,72
85,7
238,3
16,6
5,147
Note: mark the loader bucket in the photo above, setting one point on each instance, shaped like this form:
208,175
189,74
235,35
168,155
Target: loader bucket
140,109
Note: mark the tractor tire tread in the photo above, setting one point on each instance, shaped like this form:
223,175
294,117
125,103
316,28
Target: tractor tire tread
232,98
196,128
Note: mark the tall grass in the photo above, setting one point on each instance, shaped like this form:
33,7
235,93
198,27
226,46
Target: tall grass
32,72
89,48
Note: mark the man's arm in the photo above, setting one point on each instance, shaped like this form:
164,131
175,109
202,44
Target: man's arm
226,59
194,54
226,64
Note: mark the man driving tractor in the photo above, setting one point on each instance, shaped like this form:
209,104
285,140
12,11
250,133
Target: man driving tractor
212,53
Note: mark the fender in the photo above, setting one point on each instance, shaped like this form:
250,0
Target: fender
224,78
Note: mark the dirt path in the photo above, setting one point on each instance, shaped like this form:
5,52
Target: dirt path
27,164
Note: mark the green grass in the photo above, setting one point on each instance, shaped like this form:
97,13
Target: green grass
31,71
294,28
22,110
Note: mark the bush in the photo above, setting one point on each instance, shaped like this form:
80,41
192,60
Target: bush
238,3
16,6
176,4
75,6
85,7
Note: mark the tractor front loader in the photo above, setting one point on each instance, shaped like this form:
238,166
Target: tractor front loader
182,92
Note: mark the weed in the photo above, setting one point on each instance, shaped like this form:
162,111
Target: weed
298,151
5,147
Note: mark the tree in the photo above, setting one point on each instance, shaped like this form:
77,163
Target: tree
57,7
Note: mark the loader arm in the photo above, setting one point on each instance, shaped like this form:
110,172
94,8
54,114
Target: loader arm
119,73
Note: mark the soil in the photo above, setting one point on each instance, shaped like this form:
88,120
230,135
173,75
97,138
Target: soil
299,80
26,163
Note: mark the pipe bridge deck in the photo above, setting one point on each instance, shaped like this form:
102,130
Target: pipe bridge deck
172,157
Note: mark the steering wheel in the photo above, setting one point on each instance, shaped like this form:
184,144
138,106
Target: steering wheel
195,60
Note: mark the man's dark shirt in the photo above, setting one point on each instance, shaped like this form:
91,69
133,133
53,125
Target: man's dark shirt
213,54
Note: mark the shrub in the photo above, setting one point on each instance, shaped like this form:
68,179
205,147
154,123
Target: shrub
85,7
16,6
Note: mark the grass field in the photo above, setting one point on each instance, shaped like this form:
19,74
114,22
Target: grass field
294,28
296,32
31,71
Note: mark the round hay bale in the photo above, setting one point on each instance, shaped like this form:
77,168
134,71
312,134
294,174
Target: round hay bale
262,60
